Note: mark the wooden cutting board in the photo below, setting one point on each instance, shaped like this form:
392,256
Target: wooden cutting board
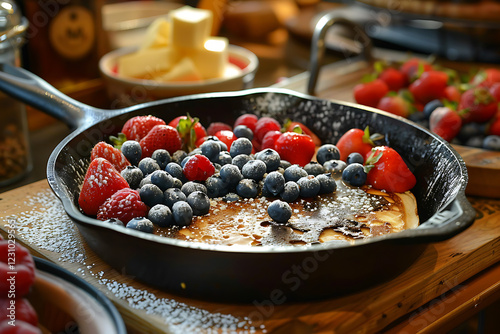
336,82
41,224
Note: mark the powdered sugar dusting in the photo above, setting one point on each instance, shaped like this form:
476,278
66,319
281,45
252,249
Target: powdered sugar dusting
46,226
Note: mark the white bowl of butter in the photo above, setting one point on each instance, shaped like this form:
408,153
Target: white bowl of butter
177,57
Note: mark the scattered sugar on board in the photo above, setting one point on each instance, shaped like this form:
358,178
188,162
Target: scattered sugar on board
48,227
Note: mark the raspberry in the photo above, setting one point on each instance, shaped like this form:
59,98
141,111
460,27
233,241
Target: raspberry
124,205
198,168
264,125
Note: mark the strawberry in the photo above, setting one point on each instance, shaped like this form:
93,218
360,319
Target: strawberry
108,152
124,205
393,78
494,126
199,129
215,127
270,139
370,93
486,78
414,67
198,168
477,105
101,181
290,126
138,127
296,148
264,125
249,120
388,171
396,105
161,137
355,140
445,122
429,86
227,137
495,91
452,94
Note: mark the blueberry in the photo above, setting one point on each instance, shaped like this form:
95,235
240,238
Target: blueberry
145,180
314,168
178,156
211,150
231,175
141,224
243,131
285,164
183,162
132,150
294,173
354,174
148,166
275,183
173,195
224,158
334,166
470,130
279,211
431,106
327,184
114,221
241,146
254,169
290,192
133,175
270,157
241,160
247,188
216,187
327,152
309,186
177,183
189,187
161,215
151,195
223,146
182,212
162,157
199,203
355,157
231,197
194,152
417,117
174,169
162,179
492,142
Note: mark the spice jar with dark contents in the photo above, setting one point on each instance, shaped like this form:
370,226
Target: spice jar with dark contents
15,158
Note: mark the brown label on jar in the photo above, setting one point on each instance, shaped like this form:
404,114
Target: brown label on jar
72,32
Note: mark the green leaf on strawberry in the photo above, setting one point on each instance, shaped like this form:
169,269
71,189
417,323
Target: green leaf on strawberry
118,141
186,130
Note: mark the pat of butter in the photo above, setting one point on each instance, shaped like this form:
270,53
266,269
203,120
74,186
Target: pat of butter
212,59
184,70
157,34
190,27
147,62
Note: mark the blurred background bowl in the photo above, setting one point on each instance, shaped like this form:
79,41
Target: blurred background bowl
128,91
125,23
65,302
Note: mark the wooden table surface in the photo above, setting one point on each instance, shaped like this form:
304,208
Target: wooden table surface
445,277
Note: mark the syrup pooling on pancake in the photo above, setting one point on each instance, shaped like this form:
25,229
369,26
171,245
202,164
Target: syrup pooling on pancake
347,215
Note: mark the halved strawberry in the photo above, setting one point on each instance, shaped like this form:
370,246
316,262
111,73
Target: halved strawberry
124,205
161,137
101,181
388,171
108,152
138,127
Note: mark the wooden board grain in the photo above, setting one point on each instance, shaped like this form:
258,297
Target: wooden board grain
336,82
42,225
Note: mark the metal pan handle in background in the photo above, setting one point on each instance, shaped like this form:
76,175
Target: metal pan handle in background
33,90
318,44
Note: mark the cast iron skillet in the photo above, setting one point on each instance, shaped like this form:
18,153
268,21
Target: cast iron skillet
246,274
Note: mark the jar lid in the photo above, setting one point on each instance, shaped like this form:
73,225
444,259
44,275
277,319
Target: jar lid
11,21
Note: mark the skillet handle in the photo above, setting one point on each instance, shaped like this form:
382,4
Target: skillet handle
33,90
318,44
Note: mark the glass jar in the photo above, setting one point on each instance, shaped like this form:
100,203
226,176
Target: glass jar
15,157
